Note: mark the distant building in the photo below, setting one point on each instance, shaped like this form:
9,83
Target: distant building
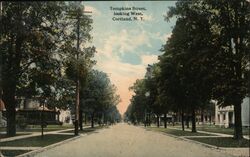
224,116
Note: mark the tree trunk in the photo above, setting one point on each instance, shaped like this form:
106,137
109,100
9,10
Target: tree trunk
92,120
10,104
10,82
149,119
202,117
187,121
193,121
210,119
104,119
165,120
85,118
238,38
158,121
80,120
238,122
182,121
173,120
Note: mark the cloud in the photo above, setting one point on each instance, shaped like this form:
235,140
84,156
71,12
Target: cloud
92,9
122,74
149,59
148,17
124,42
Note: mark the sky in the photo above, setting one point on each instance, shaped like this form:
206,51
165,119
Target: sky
125,48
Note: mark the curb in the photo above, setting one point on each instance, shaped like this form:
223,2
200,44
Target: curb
34,152
196,142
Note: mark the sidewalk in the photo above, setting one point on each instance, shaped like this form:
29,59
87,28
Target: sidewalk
212,133
34,134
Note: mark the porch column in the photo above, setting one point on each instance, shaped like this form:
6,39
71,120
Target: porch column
221,119
227,120
233,117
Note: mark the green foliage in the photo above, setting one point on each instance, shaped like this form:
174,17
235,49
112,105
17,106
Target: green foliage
209,53
99,95
206,57
187,61
79,68
30,35
136,110
37,46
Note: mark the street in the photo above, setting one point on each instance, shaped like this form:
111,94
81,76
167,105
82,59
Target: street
124,140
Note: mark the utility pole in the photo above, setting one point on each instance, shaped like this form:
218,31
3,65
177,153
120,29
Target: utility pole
77,79
79,15
1,16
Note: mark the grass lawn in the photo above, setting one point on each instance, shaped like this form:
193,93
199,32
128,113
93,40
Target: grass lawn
178,132
223,141
11,153
37,141
37,128
86,130
217,129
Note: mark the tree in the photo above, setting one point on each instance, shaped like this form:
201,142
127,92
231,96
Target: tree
98,95
230,25
30,32
139,103
172,87
155,99
113,115
228,22
189,51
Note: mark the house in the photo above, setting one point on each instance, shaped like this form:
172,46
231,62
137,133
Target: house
224,116
30,111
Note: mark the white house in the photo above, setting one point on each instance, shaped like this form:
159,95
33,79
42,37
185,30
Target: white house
224,116
65,116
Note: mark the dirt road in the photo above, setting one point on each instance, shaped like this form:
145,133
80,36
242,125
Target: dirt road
124,140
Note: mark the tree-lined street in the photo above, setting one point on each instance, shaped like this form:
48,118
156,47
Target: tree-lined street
179,79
